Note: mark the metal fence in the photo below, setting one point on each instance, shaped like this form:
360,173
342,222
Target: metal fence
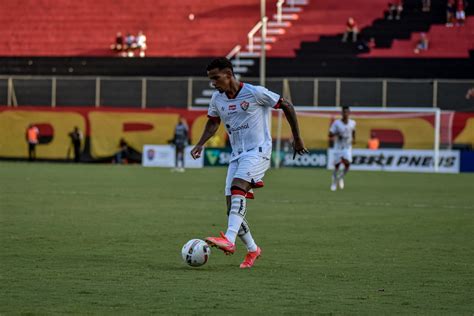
182,92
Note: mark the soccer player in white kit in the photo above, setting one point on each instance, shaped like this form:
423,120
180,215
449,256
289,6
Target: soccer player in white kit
342,133
244,110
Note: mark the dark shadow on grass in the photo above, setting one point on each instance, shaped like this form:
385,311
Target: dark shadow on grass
206,268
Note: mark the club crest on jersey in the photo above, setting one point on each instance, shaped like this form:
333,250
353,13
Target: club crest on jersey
244,105
232,107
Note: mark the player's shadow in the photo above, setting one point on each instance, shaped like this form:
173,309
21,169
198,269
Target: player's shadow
179,266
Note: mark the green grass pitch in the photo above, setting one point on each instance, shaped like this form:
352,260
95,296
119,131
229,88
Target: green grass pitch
98,239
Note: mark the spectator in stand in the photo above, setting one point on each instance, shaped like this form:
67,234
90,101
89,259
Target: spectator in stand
118,45
460,15
366,46
395,9
470,94
422,44
130,44
141,43
450,13
32,137
351,27
426,5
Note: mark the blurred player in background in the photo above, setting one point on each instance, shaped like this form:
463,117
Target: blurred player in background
342,133
244,110
180,140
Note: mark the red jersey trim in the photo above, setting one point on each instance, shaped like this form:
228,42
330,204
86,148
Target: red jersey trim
277,105
214,118
241,85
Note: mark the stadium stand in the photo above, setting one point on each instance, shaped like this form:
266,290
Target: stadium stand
72,38
326,18
454,42
396,38
88,27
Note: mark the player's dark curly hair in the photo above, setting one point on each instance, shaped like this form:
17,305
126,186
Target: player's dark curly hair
220,63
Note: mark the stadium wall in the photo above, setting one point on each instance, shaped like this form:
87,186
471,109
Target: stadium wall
187,91
448,68
103,128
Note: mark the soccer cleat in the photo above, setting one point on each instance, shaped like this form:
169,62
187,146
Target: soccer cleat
222,243
341,183
250,258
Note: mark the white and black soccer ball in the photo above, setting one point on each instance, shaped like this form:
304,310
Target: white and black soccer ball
195,252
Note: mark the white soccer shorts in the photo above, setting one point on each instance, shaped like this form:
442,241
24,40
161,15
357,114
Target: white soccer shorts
251,167
342,154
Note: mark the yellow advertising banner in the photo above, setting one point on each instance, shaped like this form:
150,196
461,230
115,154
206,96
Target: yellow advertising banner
138,129
416,132
467,134
104,129
13,125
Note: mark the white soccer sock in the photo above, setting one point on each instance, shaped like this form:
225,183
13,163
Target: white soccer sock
247,239
246,236
236,216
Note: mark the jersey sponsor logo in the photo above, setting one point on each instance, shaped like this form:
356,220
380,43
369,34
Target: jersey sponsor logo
238,128
232,107
244,105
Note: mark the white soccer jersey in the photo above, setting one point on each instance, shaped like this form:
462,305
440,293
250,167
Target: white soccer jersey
343,132
245,118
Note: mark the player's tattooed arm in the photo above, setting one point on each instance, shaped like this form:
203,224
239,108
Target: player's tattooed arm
211,128
290,114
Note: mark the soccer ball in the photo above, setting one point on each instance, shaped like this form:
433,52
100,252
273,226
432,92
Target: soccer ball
195,252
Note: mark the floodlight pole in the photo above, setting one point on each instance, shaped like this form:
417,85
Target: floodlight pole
263,42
